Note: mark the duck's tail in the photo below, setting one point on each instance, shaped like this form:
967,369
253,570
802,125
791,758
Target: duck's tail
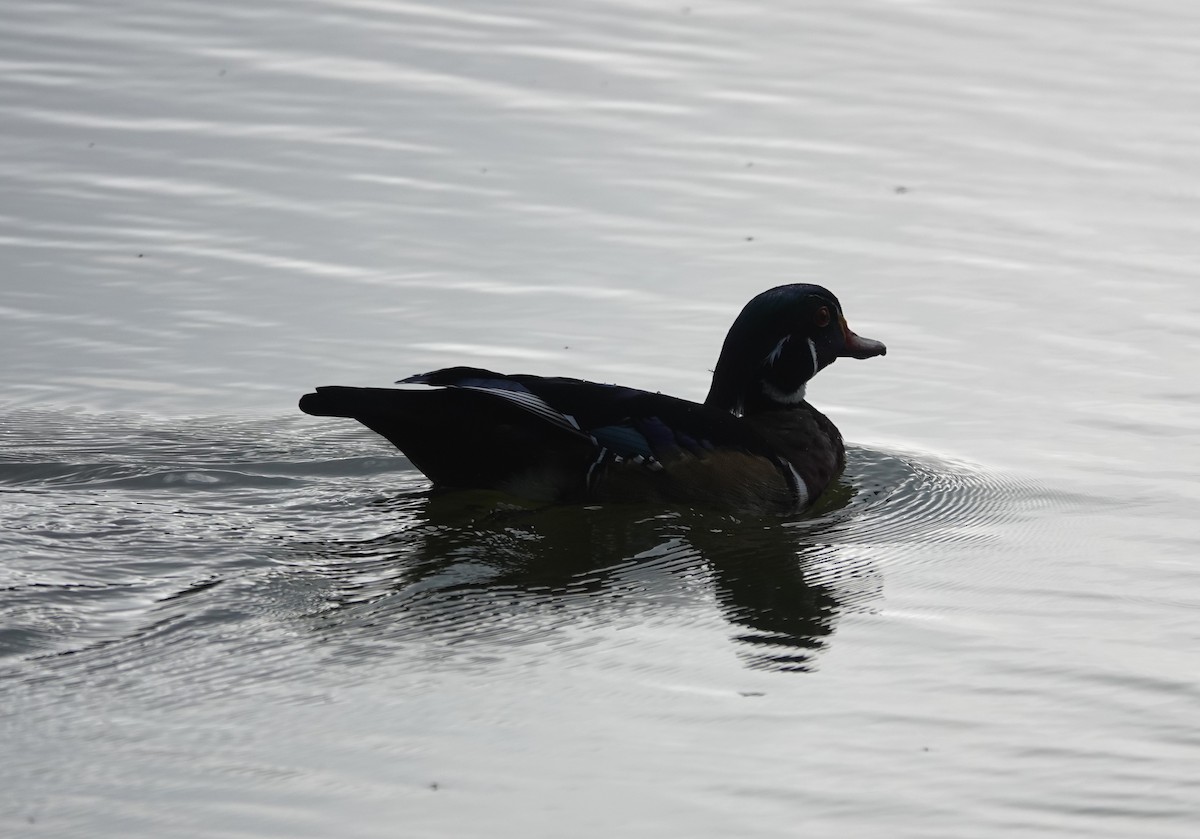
465,438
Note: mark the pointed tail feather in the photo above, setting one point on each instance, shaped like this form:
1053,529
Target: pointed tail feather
466,438
336,401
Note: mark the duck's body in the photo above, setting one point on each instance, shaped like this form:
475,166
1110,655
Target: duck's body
754,444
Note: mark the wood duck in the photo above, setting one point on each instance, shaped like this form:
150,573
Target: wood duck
755,444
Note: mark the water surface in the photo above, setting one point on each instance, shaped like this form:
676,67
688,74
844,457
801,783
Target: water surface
221,618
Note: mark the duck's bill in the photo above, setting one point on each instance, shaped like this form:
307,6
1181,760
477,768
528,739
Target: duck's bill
859,347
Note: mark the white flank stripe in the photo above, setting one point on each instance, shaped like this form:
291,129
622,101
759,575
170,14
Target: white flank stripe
800,488
592,469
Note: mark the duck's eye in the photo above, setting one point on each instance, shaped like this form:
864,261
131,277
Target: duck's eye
823,317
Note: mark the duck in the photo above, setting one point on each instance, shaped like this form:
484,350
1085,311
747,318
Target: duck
754,444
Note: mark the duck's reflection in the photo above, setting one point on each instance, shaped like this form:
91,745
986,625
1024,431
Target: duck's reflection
464,568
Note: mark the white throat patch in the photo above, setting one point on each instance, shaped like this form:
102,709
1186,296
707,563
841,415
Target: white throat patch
783,397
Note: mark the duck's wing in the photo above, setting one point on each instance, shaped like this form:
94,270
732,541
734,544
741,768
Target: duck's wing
470,437
561,438
631,423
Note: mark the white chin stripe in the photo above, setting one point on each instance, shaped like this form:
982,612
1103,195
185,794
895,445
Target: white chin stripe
783,397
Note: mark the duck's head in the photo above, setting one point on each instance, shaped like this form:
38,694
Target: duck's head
782,338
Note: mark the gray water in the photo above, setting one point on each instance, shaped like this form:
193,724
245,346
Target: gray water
221,618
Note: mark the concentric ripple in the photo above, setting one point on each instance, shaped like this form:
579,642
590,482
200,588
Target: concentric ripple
903,498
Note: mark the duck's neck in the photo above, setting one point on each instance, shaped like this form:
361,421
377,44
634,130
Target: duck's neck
746,383
772,398
760,396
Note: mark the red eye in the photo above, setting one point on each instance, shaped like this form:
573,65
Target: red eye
823,317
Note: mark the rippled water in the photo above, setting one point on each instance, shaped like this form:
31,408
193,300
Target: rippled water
221,618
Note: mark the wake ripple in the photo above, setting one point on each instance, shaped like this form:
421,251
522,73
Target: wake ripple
915,499
124,530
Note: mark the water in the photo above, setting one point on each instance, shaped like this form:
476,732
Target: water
221,618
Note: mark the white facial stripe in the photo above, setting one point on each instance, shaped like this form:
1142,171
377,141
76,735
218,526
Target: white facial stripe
812,348
774,354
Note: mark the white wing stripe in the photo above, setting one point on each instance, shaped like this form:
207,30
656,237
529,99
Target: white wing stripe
530,402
